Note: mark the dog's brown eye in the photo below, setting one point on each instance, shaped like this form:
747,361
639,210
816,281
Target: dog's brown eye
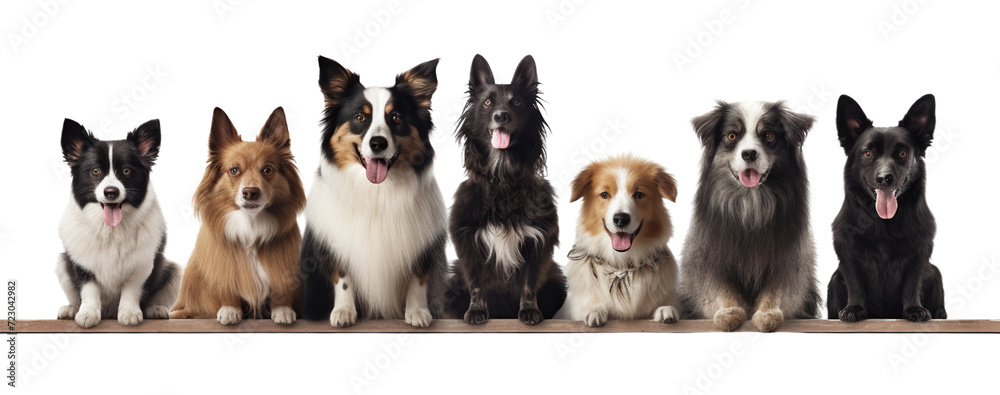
96,171
731,137
639,195
234,171
516,102
868,154
488,102
605,195
266,170
126,171
902,154
360,117
396,119
769,136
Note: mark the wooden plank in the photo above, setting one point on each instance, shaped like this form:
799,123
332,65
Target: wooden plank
505,326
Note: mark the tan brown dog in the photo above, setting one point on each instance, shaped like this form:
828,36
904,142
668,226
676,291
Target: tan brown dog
247,250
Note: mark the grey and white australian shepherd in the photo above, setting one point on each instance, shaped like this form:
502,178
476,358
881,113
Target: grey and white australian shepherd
113,230
750,250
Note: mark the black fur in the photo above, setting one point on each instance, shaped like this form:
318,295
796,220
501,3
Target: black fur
505,188
84,153
885,269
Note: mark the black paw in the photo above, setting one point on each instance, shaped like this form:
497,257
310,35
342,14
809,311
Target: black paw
530,316
476,317
917,314
852,313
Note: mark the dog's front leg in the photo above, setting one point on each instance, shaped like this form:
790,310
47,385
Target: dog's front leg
855,284
230,312
416,312
528,312
281,309
89,313
768,316
345,312
729,312
913,310
129,311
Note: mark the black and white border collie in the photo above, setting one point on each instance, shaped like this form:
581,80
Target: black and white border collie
113,230
374,245
503,221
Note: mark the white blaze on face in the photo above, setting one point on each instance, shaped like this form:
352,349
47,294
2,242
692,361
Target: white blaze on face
377,164
112,207
750,173
622,203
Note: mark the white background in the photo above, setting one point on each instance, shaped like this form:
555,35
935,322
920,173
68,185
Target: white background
612,83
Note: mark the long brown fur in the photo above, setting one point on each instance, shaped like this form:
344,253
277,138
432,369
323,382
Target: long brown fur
219,272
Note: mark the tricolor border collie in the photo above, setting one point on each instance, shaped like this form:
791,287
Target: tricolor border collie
245,258
620,266
375,236
750,248
113,230
503,222
885,269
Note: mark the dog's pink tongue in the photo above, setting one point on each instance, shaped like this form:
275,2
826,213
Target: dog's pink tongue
377,170
621,241
112,214
501,139
885,204
750,178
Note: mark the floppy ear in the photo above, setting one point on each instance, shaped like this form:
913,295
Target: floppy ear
666,184
336,81
526,76
223,133
74,140
920,120
706,125
146,138
481,74
795,124
421,81
851,122
275,130
581,183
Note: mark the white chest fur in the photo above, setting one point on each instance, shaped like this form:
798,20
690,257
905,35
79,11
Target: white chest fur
504,244
377,231
113,253
250,230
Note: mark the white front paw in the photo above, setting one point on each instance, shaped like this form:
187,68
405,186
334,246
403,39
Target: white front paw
343,317
157,312
67,312
283,315
229,315
666,315
87,317
418,317
596,317
129,315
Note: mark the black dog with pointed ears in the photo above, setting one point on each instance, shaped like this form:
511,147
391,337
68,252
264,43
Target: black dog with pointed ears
503,222
885,269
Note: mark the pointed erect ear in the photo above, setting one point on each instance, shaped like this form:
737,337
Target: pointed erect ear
920,120
666,184
851,122
706,125
481,74
526,76
421,82
275,130
146,138
336,81
74,140
223,133
582,183
795,124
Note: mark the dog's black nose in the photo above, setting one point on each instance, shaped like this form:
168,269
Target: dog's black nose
749,155
251,193
621,220
378,144
111,192
884,179
501,117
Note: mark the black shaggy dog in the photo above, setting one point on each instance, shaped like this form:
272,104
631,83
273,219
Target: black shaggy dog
885,269
503,222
